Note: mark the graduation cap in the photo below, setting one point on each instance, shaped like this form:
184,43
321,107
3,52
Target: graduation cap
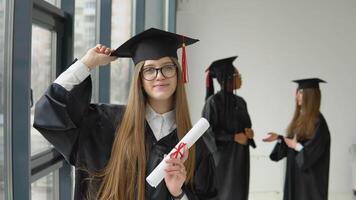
153,44
309,83
222,70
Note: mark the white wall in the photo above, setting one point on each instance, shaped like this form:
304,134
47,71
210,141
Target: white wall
278,41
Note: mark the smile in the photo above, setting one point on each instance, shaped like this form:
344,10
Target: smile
160,85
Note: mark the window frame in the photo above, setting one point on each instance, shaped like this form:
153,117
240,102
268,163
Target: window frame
24,168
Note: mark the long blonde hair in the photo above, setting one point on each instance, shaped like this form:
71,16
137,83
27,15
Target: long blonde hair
124,176
305,116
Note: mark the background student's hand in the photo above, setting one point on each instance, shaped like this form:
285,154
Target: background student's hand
240,138
291,143
99,55
249,133
176,173
271,137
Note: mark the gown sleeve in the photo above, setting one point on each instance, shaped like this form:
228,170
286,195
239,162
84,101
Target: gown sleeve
280,150
214,134
74,126
59,114
209,136
251,142
314,148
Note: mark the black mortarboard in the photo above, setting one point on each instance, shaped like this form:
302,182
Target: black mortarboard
153,44
220,69
309,83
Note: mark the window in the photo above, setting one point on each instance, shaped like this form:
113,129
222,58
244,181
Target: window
90,4
42,75
85,26
121,31
43,189
2,97
85,31
54,2
35,28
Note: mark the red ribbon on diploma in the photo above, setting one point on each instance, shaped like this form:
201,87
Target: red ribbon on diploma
177,152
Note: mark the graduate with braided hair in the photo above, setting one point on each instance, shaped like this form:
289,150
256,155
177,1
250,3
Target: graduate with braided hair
230,135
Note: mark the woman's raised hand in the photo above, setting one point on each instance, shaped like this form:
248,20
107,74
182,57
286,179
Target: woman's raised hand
99,55
271,137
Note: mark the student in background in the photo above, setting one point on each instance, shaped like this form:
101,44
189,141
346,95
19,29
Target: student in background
306,146
230,133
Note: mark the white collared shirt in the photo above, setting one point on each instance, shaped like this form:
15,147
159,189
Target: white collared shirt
161,124
74,75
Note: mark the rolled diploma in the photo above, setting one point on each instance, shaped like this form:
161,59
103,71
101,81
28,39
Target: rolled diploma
189,139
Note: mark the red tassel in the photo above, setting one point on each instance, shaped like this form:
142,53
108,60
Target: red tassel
208,80
184,64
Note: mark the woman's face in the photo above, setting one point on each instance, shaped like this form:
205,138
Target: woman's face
237,80
159,78
299,97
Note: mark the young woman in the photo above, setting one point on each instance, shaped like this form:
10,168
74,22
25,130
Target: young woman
230,133
115,147
306,146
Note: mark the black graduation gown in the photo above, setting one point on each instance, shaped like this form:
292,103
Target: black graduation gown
232,159
84,133
307,173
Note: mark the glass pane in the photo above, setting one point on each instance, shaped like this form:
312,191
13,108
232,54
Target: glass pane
85,29
41,78
2,97
120,32
85,26
44,188
54,2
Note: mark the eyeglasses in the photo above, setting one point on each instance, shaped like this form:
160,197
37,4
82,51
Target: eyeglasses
167,71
